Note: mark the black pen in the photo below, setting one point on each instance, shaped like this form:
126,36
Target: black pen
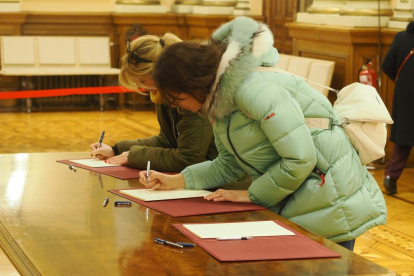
124,203
71,167
100,141
106,202
160,241
186,244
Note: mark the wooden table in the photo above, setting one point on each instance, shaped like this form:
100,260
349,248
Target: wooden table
52,222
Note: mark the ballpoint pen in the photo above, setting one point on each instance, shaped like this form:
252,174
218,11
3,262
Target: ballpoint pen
122,203
148,170
71,167
160,241
186,244
100,140
106,202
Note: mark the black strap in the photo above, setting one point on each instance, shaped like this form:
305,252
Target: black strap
235,152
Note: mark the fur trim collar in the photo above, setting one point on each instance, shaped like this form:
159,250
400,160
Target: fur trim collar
236,64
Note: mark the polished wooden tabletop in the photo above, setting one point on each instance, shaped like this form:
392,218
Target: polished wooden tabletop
52,222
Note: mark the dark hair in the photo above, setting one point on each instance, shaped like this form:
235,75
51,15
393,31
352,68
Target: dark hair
187,67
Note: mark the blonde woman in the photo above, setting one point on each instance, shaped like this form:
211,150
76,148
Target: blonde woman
185,137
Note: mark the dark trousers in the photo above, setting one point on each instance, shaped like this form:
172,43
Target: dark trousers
398,160
347,244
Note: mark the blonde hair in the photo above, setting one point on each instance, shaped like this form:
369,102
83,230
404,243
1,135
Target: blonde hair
147,47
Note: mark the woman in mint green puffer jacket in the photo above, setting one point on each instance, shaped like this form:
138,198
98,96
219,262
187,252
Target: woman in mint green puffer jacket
313,177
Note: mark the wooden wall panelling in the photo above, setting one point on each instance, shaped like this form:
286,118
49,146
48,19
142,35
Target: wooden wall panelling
157,24
201,27
347,47
10,23
277,14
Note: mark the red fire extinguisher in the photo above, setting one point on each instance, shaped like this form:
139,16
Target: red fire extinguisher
367,75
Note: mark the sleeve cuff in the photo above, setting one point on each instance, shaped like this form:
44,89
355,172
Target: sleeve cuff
115,150
189,179
254,199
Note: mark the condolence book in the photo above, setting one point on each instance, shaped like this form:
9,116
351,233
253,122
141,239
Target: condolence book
121,172
191,206
281,247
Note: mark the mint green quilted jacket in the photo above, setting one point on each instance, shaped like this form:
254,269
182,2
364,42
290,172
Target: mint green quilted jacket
259,127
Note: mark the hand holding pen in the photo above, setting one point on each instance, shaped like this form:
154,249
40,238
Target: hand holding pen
161,181
104,152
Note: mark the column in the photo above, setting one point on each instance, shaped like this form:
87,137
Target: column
10,6
242,8
320,12
139,6
403,14
185,6
224,7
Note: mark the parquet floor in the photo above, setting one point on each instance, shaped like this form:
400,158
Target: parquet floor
391,245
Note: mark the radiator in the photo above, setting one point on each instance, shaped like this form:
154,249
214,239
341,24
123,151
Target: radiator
72,102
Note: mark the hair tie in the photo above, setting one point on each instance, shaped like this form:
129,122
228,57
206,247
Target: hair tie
133,56
162,42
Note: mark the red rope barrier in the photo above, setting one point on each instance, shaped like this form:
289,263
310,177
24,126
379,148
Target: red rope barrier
62,92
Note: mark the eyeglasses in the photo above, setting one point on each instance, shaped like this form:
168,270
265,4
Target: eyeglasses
173,100
133,56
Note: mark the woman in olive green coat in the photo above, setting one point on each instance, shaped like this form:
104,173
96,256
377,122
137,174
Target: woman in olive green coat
185,137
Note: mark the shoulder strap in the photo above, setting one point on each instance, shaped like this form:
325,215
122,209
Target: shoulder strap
403,63
319,123
278,70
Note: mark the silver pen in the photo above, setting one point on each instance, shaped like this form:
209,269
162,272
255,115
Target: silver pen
100,141
233,238
148,170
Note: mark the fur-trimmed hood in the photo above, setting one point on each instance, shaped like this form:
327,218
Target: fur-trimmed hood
250,44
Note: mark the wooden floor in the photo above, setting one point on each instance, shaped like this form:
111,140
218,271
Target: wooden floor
391,245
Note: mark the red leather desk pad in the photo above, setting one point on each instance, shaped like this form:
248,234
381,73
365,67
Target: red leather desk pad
262,248
191,206
121,172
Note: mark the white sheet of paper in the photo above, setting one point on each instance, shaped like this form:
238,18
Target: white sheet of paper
94,163
153,195
238,229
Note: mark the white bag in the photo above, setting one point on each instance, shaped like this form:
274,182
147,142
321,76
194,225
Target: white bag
363,116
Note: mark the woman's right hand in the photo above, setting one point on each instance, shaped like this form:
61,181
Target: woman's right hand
160,181
104,152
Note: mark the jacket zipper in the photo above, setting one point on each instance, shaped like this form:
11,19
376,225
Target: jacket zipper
173,124
235,152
